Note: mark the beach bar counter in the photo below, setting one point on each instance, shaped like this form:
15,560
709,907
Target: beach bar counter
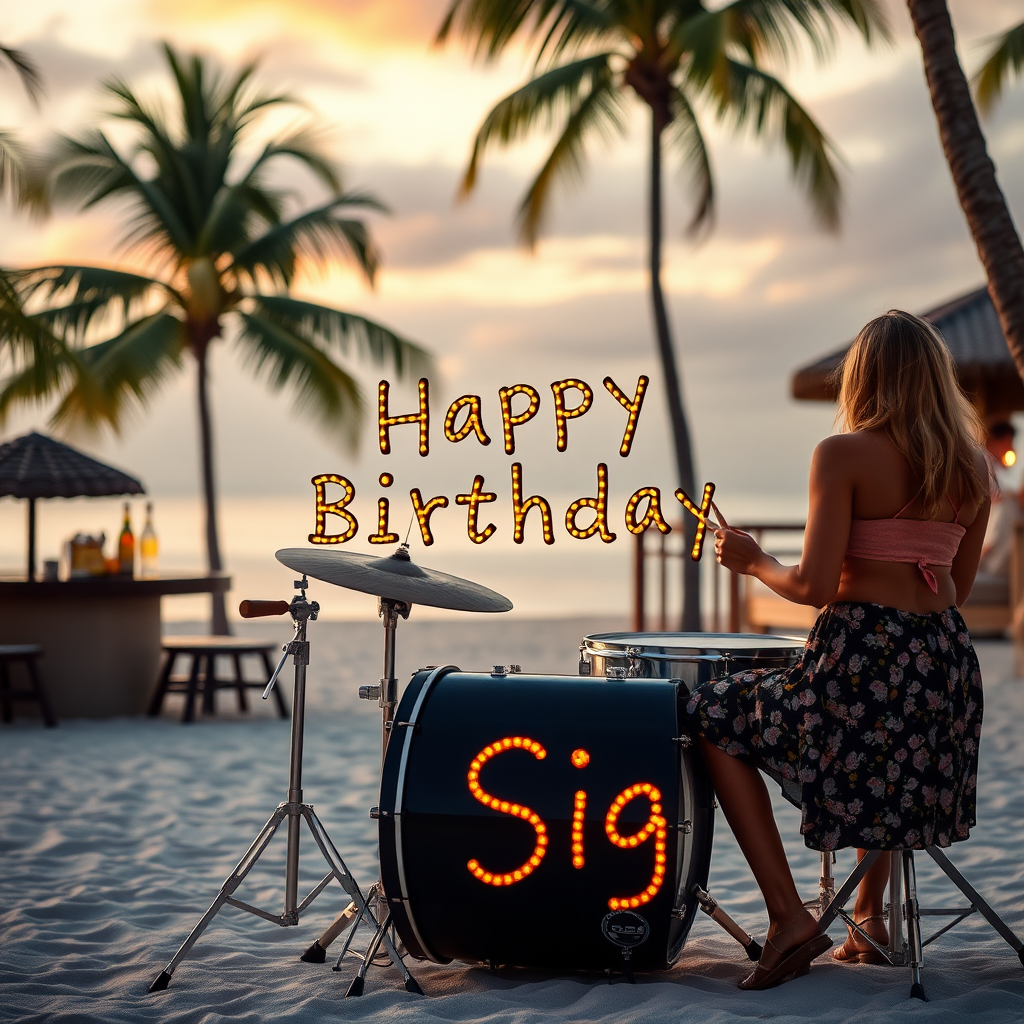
100,637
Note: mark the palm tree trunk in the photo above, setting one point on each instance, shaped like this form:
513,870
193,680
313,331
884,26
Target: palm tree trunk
974,175
680,431
218,611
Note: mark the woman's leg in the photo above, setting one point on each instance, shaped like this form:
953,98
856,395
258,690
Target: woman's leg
744,798
867,910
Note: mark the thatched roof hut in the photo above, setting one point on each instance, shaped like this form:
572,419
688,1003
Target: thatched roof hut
971,328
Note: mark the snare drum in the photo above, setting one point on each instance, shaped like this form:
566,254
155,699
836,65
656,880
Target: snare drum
693,658
543,821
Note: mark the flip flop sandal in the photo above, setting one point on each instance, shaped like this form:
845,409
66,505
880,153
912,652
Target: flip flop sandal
793,962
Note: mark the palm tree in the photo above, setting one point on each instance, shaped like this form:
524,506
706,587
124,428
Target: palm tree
974,174
11,155
675,56
224,257
1006,56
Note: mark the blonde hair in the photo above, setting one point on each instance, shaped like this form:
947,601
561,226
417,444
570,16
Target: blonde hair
899,378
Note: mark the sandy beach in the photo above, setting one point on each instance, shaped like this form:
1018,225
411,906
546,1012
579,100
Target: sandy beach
116,834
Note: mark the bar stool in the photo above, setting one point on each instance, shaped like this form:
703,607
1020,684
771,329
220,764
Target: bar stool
905,909
27,655
202,679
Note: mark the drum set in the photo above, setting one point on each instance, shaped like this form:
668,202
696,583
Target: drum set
525,820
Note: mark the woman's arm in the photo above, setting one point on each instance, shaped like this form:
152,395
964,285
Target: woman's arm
968,555
815,581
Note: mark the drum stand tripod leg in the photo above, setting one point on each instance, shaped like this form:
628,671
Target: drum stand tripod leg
915,952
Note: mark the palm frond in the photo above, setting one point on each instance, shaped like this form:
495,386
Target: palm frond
27,71
283,357
597,110
119,375
751,98
334,329
562,91
318,235
687,139
771,29
12,166
75,297
305,145
1005,57
23,338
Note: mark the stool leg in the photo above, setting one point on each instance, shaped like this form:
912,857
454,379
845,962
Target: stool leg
916,953
157,701
243,703
282,705
209,679
897,947
37,688
188,715
5,689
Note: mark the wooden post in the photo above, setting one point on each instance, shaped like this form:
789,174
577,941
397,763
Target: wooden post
663,583
638,584
31,540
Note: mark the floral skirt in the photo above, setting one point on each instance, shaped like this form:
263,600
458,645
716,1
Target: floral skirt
873,734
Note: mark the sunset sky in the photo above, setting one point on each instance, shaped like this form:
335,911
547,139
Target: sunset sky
764,294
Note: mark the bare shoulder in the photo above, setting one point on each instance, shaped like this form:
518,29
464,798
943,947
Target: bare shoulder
849,451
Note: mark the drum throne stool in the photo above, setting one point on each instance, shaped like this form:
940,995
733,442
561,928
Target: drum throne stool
903,912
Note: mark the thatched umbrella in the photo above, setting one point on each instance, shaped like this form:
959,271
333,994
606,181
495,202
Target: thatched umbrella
36,466
971,328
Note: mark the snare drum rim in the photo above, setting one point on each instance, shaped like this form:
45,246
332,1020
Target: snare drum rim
620,645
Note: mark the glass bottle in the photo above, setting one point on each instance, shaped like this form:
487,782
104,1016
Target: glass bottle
149,548
126,545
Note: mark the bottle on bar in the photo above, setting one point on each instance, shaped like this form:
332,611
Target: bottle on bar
126,545
149,548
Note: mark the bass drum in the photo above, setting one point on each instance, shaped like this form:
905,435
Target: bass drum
692,658
543,821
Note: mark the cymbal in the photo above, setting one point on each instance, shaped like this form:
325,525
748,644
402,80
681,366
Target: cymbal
395,577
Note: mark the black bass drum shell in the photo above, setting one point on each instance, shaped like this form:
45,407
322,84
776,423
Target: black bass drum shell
600,738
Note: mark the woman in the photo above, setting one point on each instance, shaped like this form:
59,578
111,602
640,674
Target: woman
874,733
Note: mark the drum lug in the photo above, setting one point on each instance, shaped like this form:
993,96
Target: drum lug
415,726
684,741
680,912
585,666
376,813
686,827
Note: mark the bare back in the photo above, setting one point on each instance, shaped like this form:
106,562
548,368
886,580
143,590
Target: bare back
879,484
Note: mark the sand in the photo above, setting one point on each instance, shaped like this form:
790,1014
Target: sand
116,834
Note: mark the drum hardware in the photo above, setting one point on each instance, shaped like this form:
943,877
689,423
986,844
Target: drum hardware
710,906
906,910
500,671
398,583
294,810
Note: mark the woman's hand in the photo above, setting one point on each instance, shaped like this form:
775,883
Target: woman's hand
737,551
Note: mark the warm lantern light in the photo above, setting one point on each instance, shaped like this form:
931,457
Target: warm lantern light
580,758
1009,457
506,807
508,420
386,422
656,826
701,513
325,508
473,422
562,413
632,406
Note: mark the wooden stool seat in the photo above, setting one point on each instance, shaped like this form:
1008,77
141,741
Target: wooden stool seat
201,677
26,654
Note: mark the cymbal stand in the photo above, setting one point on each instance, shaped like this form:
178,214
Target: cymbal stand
386,695
294,810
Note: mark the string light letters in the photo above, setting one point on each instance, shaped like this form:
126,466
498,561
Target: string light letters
326,508
506,807
700,513
385,422
562,414
652,517
655,825
423,513
600,507
508,421
477,496
520,508
632,406
473,421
